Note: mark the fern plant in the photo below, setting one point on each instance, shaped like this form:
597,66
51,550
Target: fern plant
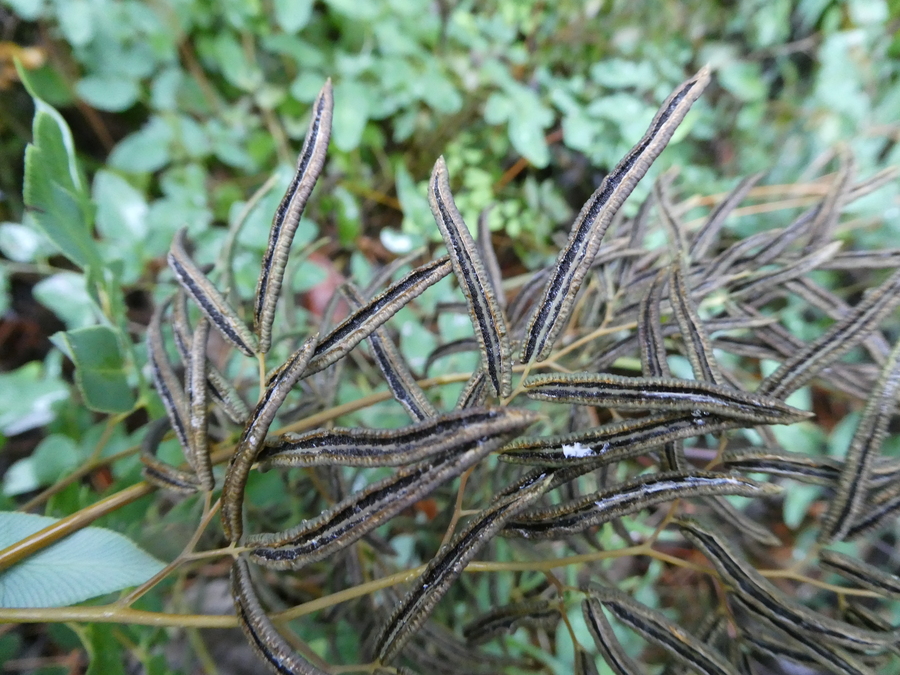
622,399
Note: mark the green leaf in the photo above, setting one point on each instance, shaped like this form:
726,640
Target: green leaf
234,64
351,112
361,11
21,477
27,397
99,369
579,131
104,650
91,562
53,191
498,108
797,501
527,137
348,215
417,216
146,150
528,118
66,295
164,89
121,209
308,276
77,21
54,457
620,74
22,243
4,291
292,15
743,79
10,644
30,10
109,92
67,141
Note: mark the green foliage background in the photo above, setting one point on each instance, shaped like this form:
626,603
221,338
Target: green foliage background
181,109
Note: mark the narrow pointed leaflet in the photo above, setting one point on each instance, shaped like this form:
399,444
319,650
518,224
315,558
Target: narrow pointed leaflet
506,619
168,386
360,324
198,396
254,435
552,311
210,301
640,493
666,394
765,599
657,628
268,644
605,639
809,361
474,281
393,367
870,433
380,447
287,217
445,568
359,513
653,359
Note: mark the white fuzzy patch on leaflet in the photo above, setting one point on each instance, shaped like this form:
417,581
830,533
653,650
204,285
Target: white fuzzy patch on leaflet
577,450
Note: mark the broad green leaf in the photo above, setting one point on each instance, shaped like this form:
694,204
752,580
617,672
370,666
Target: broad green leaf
772,27
528,139
27,397
864,12
104,650
308,276
54,457
234,64
53,192
527,121
292,15
398,242
22,243
348,216
111,92
30,10
91,562
77,21
797,501
99,368
121,209
164,89
351,112
146,150
743,79
438,92
67,141
621,74
579,131
66,295
362,11
10,644
20,477
498,108
417,216
306,87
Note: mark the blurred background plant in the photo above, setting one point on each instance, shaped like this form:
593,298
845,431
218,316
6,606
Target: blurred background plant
181,109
